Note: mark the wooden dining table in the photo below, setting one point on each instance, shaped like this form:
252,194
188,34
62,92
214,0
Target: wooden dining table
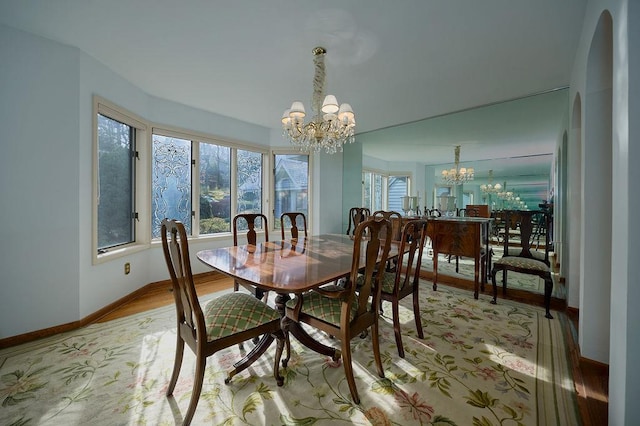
289,267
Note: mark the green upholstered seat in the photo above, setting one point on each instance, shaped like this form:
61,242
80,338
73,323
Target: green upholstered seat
235,312
324,308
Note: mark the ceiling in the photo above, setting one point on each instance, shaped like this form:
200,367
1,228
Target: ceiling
429,63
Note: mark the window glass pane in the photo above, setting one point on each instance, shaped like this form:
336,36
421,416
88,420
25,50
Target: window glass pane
291,185
367,189
215,188
249,195
377,193
170,182
116,144
467,198
398,187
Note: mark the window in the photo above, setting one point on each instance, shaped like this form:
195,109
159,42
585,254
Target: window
215,188
384,192
398,187
229,182
170,181
117,134
249,195
143,175
291,185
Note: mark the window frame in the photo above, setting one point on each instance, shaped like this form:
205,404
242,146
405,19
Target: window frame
385,184
142,187
196,139
272,186
140,238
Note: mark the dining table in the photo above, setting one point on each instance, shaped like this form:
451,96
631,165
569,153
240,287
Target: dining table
289,267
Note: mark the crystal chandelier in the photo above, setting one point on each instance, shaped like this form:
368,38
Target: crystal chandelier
490,188
331,125
505,195
457,175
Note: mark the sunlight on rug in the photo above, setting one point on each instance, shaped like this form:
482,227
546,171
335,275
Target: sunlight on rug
479,364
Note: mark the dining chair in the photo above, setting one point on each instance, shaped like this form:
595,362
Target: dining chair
295,219
396,230
357,215
345,313
226,320
249,222
396,222
405,281
522,259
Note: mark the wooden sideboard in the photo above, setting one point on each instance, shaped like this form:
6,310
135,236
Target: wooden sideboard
462,236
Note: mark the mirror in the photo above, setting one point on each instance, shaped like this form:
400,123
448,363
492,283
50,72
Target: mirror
527,178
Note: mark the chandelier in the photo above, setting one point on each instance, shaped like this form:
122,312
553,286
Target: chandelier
331,126
490,188
457,175
505,195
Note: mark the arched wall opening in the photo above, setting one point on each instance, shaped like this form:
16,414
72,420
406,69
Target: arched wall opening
574,206
597,209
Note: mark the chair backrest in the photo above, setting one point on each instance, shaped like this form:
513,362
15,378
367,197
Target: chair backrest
414,234
176,254
396,222
376,251
251,221
357,215
524,221
296,220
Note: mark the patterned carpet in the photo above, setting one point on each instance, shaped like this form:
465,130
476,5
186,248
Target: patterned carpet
479,364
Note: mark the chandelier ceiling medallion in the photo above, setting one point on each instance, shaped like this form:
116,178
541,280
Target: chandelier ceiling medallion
457,175
490,188
331,125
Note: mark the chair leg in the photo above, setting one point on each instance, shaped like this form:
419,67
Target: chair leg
396,328
504,282
548,289
375,341
348,369
201,363
495,287
416,311
177,364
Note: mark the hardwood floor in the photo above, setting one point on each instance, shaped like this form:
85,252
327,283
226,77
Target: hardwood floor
591,379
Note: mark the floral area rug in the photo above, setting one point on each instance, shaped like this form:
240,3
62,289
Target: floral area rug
479,364
531,283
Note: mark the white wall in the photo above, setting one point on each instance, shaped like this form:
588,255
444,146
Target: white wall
39,181
47,276
618,308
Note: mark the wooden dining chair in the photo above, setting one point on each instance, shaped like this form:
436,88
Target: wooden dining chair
345,313
249,222
357,215
296,221
226,320
405,281
396,222
396,230
522,259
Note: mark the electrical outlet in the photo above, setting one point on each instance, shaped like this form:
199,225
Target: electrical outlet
127,268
